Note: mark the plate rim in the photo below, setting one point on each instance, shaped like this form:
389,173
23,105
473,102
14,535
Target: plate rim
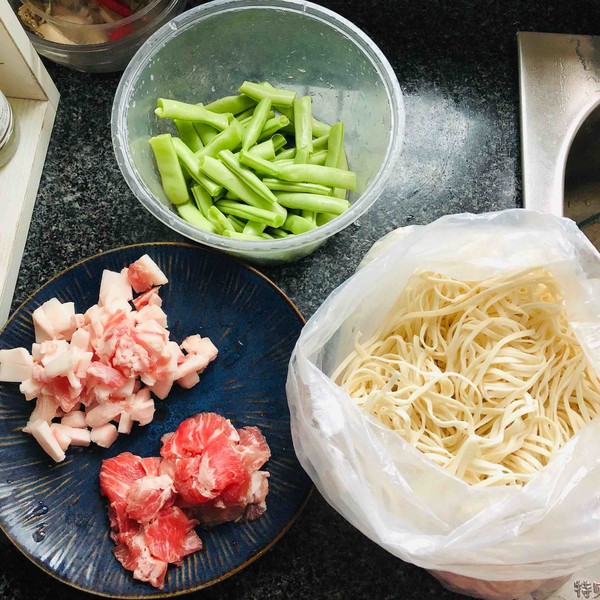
265,548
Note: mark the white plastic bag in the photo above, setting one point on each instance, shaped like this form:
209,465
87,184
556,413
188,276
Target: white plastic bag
393,493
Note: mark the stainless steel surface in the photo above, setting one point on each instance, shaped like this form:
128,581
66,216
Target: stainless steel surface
560,89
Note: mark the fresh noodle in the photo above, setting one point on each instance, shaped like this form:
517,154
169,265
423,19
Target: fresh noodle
486,378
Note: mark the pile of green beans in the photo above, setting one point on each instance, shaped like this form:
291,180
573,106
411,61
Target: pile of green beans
253,166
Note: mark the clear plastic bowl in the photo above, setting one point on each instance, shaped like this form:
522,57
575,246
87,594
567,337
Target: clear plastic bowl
210,50
106,56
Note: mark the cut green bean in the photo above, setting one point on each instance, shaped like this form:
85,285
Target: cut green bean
237,224
319,129
232,104
173,109
229,139
264,150
330,176
309,215
258,91
250,213
313,202
247,176
171,175
317,158
247,120
335,145
243,236
187,158
277,233
323,218
287,154
219,219
256,124
254,228
212,187
258,164
188,134
288,186
297,225
188,212
303,128
247,114
279,142
272,126
206,132
202,198
320,143
218,172
342,164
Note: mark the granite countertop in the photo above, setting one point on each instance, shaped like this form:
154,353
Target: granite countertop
457,66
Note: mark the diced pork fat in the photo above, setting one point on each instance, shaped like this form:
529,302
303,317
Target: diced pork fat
105,435
41,431
54,320
140,407
103,413
189,381
115,291
64,441
144,273
76,418
125,423
148,298
16,365
81,339
76,435
151,312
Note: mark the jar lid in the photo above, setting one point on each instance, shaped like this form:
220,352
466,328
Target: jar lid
6,121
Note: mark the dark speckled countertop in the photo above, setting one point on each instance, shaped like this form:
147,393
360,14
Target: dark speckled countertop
457,66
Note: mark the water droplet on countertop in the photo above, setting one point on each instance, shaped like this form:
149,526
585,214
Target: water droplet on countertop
39,534
151,76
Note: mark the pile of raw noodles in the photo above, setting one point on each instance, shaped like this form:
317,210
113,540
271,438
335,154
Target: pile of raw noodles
484,377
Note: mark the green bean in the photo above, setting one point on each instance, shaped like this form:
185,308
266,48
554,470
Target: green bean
287,186
303,128
250,213
313,202
173,109
335,145
212,187
279,142
238,224
309,215
258,91
264,150
297,225
243,236
189,136
286,154
232,104
206,132
319,129
258,164
171,175
188,212
284,161
247,114
229,139
202,198
330,176
217,171
339,192
187,158
256,124
277,233
247,120
273,126
254,228
320,143
219,219
317,158
323,218
247,176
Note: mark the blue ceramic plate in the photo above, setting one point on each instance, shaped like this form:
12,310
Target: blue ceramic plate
54,512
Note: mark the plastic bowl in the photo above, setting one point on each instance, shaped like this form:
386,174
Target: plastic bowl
210,50
130,34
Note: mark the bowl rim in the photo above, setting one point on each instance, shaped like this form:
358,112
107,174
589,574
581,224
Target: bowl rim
247,247
169,5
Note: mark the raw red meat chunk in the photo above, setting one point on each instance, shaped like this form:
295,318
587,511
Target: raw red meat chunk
208,473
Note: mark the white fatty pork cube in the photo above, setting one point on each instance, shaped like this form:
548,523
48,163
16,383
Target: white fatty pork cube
41,431
105,435
77,436
144,273
115,291
75,418
16,365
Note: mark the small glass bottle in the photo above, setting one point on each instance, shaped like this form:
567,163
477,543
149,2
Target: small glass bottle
8,131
